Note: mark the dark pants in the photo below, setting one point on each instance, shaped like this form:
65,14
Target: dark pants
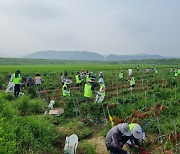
87,99
16,90
114,150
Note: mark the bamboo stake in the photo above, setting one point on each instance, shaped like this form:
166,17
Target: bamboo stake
175,133
175,91
160,134
145,98
117,89
104,114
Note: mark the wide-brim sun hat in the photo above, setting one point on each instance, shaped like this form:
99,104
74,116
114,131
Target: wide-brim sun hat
124,128
68,81
137,132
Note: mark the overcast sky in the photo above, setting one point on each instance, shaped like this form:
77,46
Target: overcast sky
102,26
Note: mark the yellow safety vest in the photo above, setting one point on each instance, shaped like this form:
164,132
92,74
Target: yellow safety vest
120,75
176,74
100,90
132,81
156,72
77,79
131,127
16,80
87,78
65,92
87,90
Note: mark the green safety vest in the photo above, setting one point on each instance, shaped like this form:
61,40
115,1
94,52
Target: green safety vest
77,79
132,81
120,75
87,90
156,72
16,80
100,90
131,127
87,78
176,74
67,91
179,71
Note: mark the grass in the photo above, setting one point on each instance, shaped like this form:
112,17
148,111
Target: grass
24,128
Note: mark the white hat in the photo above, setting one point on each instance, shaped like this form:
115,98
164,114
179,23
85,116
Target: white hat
124,128
67,81
137,132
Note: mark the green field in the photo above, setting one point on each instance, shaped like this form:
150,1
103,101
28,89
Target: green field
153,103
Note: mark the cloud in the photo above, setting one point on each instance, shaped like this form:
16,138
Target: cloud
103,26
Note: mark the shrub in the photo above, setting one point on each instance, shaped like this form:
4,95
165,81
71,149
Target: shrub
36,133
172,82
9,96
86,148
28,107
32,92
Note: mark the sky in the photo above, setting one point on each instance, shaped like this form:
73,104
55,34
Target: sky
122,27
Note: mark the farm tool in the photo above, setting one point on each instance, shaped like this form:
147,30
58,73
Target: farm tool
110,117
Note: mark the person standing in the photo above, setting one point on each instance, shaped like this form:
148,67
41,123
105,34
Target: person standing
101,75
38,79
16,79
121,75
78,79
132,82
175,73
117,137
88,90
101,93
66,88
87,77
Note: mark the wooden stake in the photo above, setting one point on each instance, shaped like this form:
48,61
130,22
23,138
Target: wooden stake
160,134
175,133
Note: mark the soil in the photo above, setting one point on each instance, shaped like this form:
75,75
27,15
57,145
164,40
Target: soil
151,144
100,144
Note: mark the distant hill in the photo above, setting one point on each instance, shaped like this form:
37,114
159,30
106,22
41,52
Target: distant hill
85,55
133,57
65,55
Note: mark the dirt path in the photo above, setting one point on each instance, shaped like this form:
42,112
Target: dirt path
101,148
100,145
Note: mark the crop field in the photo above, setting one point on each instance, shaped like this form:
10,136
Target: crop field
153,103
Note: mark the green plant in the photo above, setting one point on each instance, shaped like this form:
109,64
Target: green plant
86,148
